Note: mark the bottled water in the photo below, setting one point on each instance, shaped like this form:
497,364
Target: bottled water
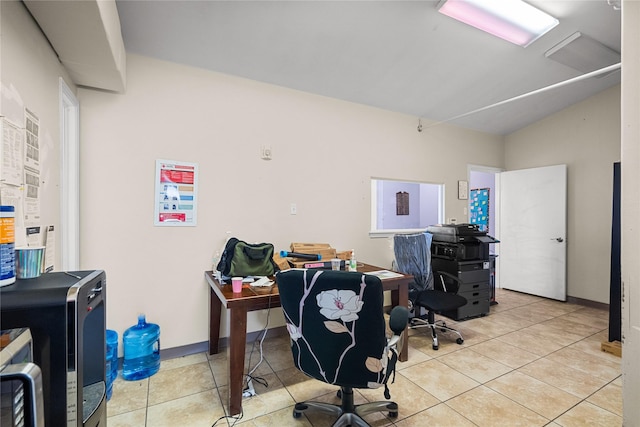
111,372
141,350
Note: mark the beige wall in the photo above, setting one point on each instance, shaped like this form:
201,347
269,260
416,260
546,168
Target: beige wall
586,137
324,153
30,73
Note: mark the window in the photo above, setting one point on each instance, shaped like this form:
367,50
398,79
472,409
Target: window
404,206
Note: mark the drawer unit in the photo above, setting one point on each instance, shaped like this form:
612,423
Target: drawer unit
475,291
473,308
474,285
468,272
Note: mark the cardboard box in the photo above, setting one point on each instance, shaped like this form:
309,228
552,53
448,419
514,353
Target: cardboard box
282,263
298,247
323,249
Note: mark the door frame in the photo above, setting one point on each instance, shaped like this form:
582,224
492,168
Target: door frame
494,197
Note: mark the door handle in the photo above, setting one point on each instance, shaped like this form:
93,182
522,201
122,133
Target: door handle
558,239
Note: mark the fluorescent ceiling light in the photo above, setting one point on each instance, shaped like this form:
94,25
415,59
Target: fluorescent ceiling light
511,20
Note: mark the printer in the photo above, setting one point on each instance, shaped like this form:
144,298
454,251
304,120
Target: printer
460,242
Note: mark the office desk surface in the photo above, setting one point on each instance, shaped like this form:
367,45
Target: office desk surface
252,299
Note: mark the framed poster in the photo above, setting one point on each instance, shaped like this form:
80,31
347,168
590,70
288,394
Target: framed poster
479,208
176,199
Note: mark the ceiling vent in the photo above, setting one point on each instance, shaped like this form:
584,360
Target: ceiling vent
583,53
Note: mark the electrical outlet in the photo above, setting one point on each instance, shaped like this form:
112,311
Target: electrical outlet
294,209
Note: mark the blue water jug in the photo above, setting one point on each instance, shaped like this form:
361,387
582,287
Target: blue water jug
141,350
111,372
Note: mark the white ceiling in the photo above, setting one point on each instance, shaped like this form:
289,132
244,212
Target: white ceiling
401,56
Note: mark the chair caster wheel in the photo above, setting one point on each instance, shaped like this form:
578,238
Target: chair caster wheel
393,414
298,408
435,347
459,341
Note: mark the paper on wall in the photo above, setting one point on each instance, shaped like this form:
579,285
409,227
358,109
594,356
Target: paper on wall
11,153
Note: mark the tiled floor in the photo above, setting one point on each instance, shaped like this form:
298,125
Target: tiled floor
531,362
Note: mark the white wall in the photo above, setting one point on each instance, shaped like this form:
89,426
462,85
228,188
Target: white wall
324,153
585,136
30,73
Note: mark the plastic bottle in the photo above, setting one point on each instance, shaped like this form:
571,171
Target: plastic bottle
7,245
216,260
111,372
141,350
353,265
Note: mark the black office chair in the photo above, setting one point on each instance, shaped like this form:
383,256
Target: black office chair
413,256
338,335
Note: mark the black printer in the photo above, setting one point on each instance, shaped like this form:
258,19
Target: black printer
462,250
460,242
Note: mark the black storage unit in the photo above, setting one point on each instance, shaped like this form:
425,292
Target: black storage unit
66,315
462,250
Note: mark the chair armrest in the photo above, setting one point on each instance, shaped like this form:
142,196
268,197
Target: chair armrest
448,275
398,319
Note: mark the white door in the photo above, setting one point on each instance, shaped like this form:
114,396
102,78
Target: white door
532,231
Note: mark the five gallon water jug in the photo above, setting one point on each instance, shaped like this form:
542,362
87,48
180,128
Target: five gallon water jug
141,350
111,372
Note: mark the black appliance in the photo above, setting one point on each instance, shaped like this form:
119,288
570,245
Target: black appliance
65,312
462,250
21,401
460,242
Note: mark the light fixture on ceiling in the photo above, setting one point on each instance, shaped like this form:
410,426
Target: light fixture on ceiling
583,53
513,20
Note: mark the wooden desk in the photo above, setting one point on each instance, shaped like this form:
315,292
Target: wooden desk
240,304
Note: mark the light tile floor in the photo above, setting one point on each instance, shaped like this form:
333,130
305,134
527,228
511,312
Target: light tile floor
531,362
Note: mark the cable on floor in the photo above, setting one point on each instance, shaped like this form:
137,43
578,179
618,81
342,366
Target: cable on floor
249,376
235,419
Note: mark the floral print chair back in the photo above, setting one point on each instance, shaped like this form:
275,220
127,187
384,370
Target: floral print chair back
338,335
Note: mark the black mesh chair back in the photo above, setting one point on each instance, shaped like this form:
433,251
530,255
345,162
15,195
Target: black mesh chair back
413,256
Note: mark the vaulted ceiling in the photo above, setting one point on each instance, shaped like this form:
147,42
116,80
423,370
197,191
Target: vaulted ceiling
401,56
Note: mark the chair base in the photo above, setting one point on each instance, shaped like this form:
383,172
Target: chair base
348,414
430,322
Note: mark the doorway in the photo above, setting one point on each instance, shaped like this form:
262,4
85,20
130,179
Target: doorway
482,179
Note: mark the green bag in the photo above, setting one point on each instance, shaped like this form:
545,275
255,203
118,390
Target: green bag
244,259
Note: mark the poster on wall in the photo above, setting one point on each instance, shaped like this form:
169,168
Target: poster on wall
479,208
176,193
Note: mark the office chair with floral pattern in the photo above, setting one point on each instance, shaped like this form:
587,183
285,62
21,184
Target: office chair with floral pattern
338,335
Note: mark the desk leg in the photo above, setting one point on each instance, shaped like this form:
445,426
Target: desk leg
235,356
215,311
403,300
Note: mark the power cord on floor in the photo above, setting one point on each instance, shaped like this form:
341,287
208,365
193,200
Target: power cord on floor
235,419
248,390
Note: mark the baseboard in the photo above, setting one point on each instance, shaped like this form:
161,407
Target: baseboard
186,350
588,303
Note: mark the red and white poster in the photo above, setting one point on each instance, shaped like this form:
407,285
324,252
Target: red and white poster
176,193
